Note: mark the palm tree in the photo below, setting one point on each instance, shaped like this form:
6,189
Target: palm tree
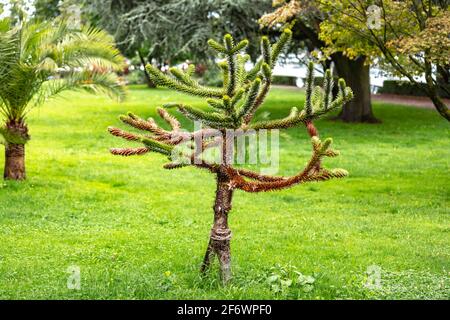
39,60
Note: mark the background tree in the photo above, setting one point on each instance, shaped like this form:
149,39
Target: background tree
232,107
17,9
308,16
40,60
411,37
175,30
46,9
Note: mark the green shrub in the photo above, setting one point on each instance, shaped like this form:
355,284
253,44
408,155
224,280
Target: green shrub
407,88
318,81
212,77
284,80
136,77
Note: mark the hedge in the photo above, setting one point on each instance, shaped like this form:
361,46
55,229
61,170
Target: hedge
407,88
284,80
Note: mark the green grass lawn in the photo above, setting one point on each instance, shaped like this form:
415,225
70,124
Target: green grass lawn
138,231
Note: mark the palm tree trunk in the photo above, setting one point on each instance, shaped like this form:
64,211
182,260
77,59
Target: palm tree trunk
219,241
14,162
16,137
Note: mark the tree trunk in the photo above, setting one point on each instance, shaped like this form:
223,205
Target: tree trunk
356,75
16,137
14,162
149,81
219,241
432,91
440,106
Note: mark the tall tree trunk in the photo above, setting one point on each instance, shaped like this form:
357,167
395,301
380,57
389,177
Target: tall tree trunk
443,74
219,241
14,162
149,81
356,75
439,104
432,91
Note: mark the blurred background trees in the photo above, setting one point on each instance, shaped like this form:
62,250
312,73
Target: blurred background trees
409,38
406,40
308,17
172,31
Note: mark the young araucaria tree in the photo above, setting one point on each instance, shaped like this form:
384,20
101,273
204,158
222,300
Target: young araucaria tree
231,109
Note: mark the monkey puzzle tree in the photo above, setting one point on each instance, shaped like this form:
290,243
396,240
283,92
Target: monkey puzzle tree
40,60
232,110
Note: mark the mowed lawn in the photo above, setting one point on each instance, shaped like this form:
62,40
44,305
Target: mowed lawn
137,231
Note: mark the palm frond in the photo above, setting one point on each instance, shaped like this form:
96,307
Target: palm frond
8,48
104,83
2,138
41,59
89,43
5,24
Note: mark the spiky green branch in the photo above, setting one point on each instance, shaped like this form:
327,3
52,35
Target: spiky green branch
233,107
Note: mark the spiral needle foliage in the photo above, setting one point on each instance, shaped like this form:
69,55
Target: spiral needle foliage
233,107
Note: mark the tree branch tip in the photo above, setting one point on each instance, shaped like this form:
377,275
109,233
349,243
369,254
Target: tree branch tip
287,31
171,105
340,173
132,115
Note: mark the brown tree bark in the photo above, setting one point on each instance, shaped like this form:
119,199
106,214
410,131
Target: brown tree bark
432,91
356,75
440,106
219,241
14,162
15,150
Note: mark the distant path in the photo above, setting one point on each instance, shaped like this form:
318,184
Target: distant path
412,101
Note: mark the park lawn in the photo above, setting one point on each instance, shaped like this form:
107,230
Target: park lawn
138,231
